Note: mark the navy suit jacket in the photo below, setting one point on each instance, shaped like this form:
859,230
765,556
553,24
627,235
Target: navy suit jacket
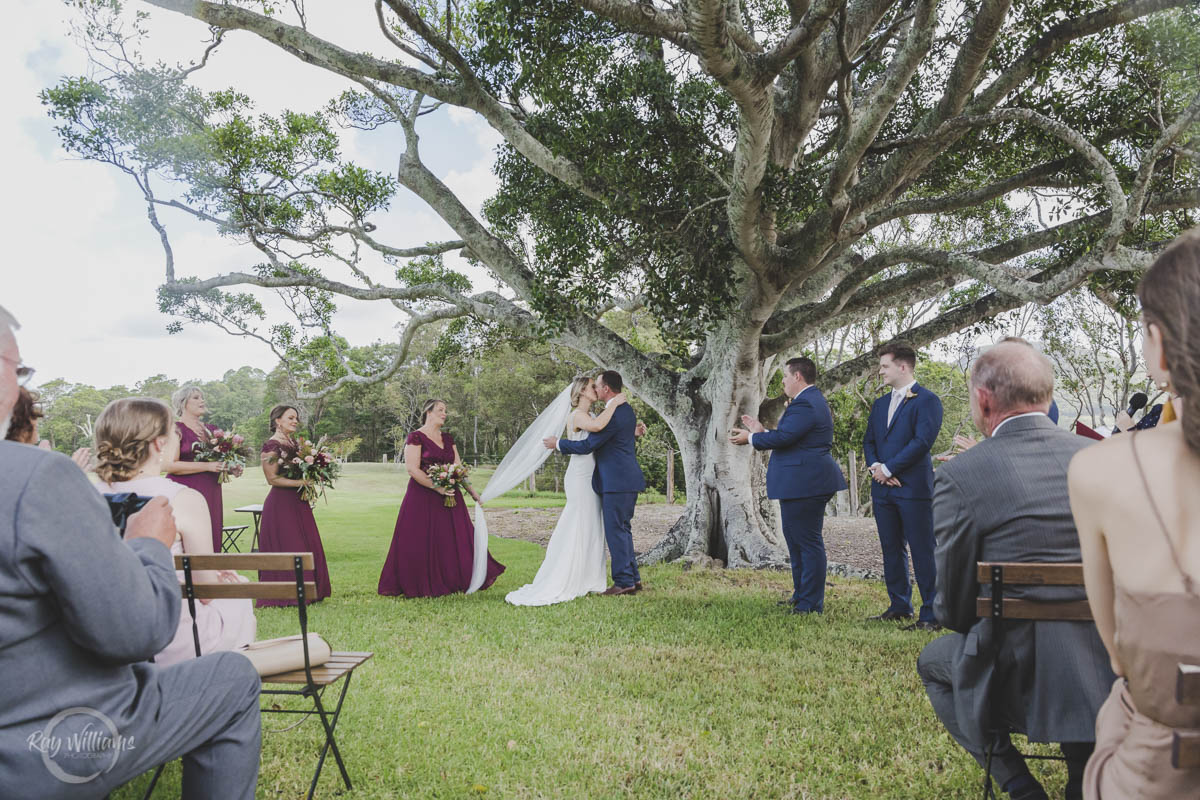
617,467
903,447
801,465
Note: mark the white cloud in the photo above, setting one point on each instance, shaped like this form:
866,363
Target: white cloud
82,265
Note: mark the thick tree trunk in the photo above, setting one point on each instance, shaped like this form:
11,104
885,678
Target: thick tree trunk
728,517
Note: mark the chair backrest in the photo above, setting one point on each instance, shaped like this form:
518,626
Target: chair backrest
1000,575
296,589
255,590
1185,745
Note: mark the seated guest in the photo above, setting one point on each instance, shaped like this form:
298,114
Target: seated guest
81,611
964,442
134,438
1141,550
1006,500
25,415
23,428
1159,412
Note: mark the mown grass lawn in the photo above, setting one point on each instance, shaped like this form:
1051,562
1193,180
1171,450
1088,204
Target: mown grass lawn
698,687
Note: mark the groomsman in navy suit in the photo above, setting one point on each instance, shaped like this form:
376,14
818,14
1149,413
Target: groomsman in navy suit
900,434
802,476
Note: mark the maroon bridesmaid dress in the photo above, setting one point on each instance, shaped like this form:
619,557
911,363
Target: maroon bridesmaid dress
433,547
206,483
288,527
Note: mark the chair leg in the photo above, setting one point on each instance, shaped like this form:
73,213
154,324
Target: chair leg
989,792
154,781
329,721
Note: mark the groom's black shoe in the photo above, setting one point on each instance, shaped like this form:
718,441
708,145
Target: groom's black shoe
638,586
889,616
615,590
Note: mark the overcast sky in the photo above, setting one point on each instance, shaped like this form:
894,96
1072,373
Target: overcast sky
82,264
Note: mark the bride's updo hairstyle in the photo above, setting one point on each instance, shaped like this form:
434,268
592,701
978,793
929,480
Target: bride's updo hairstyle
429,406
577,387
1170,295
124,431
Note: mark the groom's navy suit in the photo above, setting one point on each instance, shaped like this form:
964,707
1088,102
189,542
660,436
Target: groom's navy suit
617,479
904,513
802,476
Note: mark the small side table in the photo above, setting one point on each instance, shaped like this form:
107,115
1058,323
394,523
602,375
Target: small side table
255,509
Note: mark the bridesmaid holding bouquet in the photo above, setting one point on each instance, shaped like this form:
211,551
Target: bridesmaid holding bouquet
433,546
288,525
182,467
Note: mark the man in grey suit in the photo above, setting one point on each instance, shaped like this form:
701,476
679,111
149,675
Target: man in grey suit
1006,500
81,611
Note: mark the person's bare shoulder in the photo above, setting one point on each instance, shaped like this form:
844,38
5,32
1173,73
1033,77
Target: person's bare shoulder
188,502
1094,467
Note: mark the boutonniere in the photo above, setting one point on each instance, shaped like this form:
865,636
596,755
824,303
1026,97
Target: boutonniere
910,394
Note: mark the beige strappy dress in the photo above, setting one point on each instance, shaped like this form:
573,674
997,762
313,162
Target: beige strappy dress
1154,633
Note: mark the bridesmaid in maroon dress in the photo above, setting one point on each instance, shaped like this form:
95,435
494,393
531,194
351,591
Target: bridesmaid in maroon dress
433,547
287,521
203,476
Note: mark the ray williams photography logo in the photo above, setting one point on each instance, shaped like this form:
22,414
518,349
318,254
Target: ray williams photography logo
79,744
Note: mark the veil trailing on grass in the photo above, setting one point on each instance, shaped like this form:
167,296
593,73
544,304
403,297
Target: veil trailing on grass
519,462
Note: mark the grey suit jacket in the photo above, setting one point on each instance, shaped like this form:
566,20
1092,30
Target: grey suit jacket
78,608
1006,500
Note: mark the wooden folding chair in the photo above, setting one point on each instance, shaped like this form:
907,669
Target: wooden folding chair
1001,576
310,681
1185,745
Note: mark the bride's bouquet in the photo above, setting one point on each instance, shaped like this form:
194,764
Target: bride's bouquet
448,476
312,463
225,446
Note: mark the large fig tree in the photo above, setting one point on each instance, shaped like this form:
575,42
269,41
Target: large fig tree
754,174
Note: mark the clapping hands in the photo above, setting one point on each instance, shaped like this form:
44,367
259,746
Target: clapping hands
83,458
961,444
751,425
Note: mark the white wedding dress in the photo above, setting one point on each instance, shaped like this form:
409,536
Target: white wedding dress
575,561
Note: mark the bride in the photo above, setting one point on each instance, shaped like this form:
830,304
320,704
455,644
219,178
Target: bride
574,563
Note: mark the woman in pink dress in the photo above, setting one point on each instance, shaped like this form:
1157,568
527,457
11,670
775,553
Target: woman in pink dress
433,547
134,437
203,476
287,521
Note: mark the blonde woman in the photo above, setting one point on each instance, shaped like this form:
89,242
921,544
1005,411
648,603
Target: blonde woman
574,562
182,466
134,437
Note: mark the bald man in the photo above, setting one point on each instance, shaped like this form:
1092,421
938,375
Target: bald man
1006,500
82,709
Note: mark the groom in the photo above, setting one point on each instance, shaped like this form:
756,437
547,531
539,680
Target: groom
617,479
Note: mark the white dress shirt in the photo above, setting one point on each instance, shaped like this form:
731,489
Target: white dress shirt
802,391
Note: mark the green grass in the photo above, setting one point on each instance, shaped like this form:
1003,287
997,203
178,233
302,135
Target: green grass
698,687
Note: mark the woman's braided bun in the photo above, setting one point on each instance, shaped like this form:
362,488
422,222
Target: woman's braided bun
124,431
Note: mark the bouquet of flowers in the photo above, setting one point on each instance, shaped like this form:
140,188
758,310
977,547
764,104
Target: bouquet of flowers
313,463
448,476
225,446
